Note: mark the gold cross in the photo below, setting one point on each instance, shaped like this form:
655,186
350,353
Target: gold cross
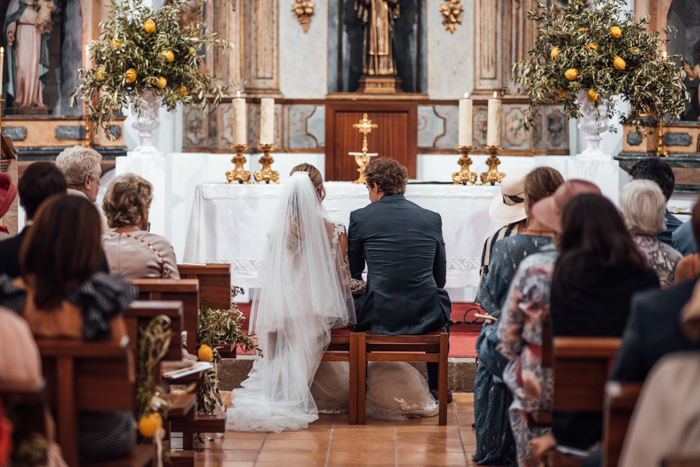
365,126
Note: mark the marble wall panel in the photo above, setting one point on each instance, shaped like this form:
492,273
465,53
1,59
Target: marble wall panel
450,55
296,126
430,126
316,125
481,123
450,114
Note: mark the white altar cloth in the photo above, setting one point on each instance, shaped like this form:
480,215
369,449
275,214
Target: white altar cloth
229,224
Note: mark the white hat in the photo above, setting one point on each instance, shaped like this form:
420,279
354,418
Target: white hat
509,206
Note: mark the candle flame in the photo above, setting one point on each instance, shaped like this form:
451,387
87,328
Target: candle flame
2,50
495,94
664,54
238,93
87,49
466,95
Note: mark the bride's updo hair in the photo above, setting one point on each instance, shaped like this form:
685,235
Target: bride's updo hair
314,175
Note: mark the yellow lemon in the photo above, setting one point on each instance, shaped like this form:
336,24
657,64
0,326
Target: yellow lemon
591,95
149,26
205,353
555,53
634,50
192,51
619,63
169,56
149,424
591,47
99,75
571,74
116,43
561,93
182,90
582,29
130,75
615,32
161,82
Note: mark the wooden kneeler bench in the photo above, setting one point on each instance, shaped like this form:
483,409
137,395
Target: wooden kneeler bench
344,348
432,347
84,376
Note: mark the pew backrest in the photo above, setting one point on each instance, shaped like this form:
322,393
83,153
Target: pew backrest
620,400
141,312
214,282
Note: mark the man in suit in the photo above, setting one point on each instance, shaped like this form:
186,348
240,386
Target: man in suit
405,254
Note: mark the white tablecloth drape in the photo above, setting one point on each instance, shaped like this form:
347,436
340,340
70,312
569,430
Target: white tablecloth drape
229,224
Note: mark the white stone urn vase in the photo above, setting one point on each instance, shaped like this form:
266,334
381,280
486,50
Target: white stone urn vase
146,121
593,122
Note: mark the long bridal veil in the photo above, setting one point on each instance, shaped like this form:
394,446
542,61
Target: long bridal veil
301,299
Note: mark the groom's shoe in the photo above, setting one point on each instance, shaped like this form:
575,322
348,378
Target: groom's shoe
434,392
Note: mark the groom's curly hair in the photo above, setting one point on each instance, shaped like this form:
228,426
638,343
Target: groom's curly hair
387,175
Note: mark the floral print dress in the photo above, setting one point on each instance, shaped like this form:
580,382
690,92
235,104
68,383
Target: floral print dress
661,258
520,336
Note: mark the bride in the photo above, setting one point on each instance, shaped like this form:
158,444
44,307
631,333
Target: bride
307,291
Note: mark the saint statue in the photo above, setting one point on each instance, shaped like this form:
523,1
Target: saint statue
27,30
378,46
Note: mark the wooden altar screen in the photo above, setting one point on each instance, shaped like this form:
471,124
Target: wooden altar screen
395,137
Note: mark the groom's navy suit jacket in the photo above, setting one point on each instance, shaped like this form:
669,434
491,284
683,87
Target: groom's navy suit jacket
405,254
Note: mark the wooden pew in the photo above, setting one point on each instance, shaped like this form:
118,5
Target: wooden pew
620,399
183,290
214,282
88,376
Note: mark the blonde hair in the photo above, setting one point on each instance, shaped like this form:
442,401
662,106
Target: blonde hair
643,207
77,162
126,198
314,175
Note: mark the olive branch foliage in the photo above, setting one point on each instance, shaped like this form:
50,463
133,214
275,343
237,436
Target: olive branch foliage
124,44
651,84
154,340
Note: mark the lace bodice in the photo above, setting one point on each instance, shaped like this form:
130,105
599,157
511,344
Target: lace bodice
357,287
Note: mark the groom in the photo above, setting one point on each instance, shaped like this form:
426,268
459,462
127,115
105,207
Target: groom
405,254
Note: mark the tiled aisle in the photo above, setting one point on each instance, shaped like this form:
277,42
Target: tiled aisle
330,441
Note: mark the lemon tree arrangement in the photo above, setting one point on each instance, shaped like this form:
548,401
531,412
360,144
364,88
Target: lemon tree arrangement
584,54
145,56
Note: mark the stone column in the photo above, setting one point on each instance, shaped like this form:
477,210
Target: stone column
258,47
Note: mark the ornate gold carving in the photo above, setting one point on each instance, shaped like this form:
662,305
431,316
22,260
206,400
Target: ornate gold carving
238,173
266,174
493,176
365,127
451,11
464,176
304,11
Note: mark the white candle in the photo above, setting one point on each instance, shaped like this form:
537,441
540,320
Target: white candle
240,124
493,135
267,121
2,67
465,121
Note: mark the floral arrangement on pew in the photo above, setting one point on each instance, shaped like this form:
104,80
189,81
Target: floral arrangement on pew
584,55
140,51
219,327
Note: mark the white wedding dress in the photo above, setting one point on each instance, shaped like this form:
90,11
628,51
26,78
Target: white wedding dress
306,292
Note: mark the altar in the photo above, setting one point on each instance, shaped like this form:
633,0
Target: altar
229,224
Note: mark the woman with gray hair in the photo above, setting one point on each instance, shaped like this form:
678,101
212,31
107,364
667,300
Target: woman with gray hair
643,207
133,252
82,169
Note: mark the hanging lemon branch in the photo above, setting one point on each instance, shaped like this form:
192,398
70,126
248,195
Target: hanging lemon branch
602,51
141,50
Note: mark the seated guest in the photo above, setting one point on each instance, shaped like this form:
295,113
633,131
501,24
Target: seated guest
133,252
520,327
684,240
82,169
688,268
61,293
507,208
642,205
494,439
39,181
8,191
660,173
598,271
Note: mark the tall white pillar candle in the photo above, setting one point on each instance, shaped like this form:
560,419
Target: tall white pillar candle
465,121
240,123
2,67
493,135
267,121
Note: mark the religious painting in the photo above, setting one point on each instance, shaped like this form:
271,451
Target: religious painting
556,130
213,117
481,125
515,133
43,42
684,16
194,128
536,132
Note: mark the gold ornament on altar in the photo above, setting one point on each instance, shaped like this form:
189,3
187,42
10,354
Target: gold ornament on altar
661,149
464,176
304,11
238,174
493,176
266,174
451,11
365,127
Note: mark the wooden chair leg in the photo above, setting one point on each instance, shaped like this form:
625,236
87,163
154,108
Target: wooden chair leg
67,426
352,415
442,378
361,377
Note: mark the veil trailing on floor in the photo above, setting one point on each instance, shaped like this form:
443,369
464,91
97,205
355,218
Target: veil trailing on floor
303,296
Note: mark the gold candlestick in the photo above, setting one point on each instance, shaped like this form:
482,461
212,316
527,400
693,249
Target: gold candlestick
238,173
464,176
660,148
493,176
266,174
